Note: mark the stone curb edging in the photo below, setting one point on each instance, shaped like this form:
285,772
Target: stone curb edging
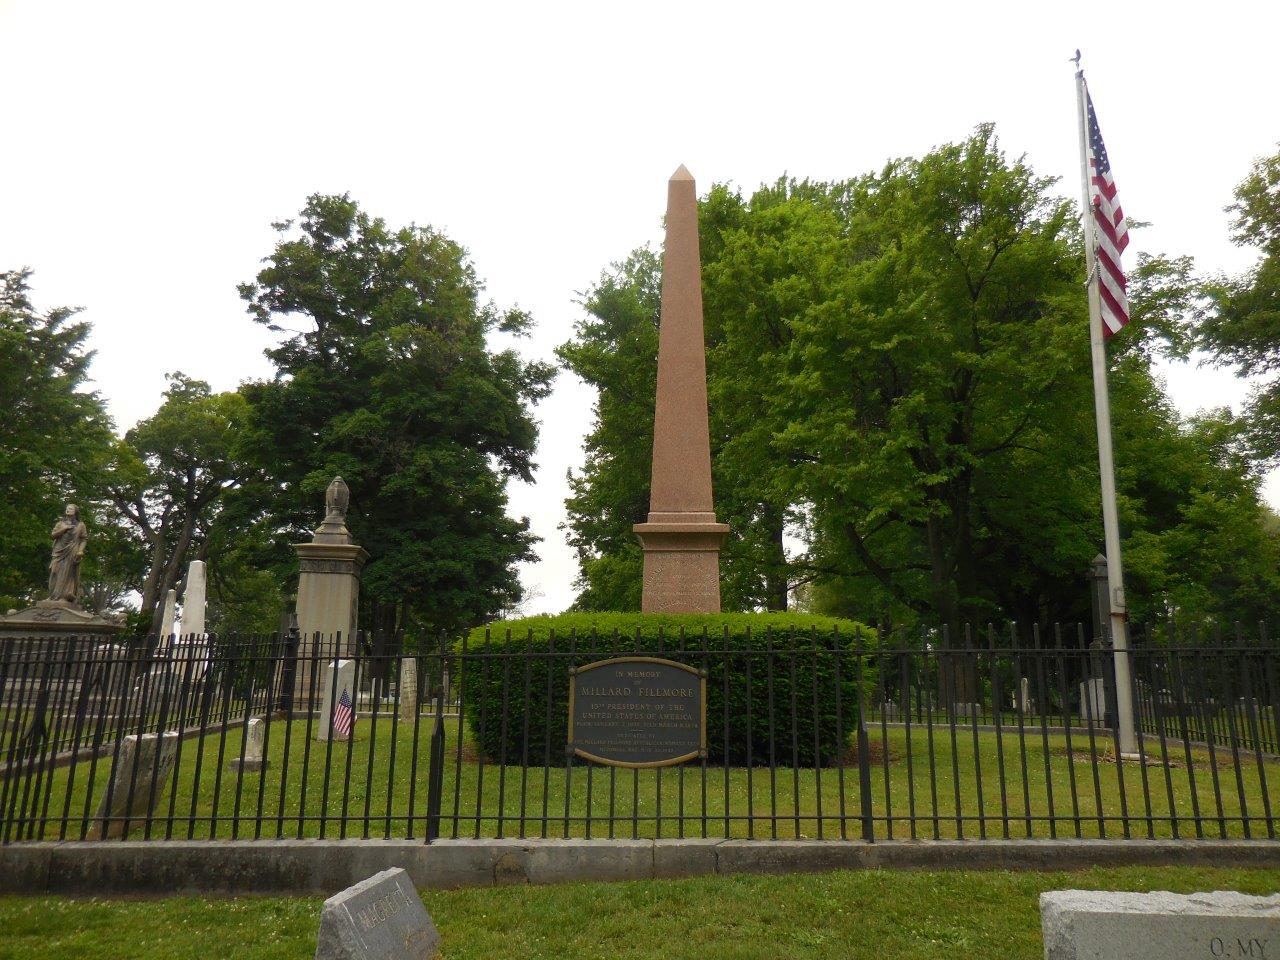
322,867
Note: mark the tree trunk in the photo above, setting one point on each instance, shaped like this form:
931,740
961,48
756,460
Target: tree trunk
150,588
174,566
963,562
775,577
957,673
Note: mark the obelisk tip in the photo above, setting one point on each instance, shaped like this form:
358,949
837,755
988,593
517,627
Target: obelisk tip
682,173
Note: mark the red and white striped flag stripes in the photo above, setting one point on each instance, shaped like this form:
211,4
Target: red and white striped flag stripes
1112,233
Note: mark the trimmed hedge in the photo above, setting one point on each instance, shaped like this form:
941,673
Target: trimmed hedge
507,659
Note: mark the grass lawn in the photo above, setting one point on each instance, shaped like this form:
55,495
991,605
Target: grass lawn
904,915
946,786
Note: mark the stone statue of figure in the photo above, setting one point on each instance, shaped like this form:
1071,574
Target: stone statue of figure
69,538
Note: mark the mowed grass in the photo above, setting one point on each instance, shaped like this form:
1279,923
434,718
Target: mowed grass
905,915
925,783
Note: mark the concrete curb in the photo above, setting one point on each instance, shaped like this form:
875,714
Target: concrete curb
322,867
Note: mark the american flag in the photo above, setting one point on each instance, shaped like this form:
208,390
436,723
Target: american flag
344,718
1112,233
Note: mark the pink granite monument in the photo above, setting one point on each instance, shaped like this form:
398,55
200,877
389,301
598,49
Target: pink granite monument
681,540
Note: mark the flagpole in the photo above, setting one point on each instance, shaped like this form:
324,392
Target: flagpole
1106,465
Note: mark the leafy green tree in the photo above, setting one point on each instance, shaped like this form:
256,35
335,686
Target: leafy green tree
1244,330
615,349
169,474
899,373
55,435
385,377
244,594
938,370
768,258
1198,541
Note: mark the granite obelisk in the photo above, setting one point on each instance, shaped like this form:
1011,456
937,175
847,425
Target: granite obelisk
681,540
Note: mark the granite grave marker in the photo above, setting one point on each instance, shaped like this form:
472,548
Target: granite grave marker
138,780
377,919
1102,925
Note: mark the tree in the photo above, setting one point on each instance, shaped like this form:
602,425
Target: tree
169,474
925,395
390,383
1199,543
768,258
1244,330
616,351
899,374
54,437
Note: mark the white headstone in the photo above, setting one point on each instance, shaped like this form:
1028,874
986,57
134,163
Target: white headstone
167,616
138,782
254,739
408,689
339,676
193,599
1098,925
1093,699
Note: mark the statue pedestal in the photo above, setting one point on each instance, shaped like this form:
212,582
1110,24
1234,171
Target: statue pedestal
56,618
328,592
328,601
681,562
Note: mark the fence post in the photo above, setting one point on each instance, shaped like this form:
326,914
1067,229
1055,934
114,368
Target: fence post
1102,664
864,748
435,766
289,669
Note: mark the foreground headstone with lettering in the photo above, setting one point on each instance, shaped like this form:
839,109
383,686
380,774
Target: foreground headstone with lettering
378,919
139,779
1100,925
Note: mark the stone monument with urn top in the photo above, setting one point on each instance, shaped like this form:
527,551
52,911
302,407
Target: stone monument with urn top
329,570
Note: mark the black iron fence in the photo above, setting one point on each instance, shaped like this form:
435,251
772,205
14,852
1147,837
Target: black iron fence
992,733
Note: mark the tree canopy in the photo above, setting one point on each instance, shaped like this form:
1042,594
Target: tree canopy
898,371
901,417
169,475
386,378
1244,330
55,436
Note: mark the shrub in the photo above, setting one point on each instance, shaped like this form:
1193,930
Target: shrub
515,681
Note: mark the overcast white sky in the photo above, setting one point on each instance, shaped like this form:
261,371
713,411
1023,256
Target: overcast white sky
148,146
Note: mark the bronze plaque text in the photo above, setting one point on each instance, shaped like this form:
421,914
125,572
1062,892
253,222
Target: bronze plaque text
637,712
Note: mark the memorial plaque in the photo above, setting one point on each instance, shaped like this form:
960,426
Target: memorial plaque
637,712
378,919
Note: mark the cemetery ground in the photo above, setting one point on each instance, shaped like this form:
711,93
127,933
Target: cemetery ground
925,784
903,914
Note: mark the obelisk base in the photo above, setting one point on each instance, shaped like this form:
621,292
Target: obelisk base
681,563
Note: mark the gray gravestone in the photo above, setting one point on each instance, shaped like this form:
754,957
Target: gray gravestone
408,691
378,919
1098,925
138,781
255,732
